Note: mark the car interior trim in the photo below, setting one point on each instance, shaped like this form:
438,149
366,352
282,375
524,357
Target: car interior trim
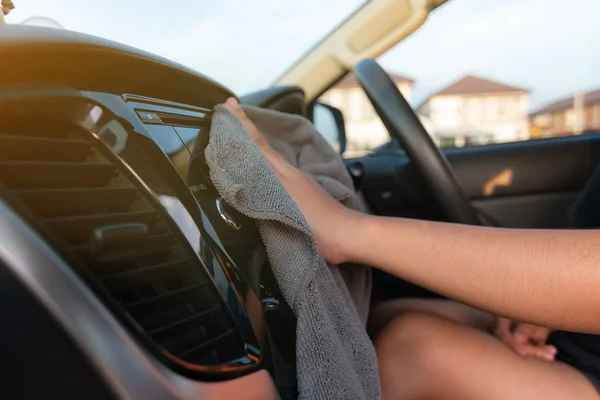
127,368
160,102
90,63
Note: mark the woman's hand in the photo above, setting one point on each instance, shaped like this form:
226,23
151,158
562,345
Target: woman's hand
333,225
525,339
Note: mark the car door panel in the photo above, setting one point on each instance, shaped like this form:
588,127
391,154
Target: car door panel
529,211
531,167
527,184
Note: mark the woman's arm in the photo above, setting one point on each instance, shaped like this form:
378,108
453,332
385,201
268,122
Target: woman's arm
544,277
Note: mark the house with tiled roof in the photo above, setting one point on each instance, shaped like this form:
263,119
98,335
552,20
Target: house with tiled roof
475,110
579,113
364,129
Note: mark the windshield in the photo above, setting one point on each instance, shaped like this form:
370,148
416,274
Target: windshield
483,72
242,44
545,47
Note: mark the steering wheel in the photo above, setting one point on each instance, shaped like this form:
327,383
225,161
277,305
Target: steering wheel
406,128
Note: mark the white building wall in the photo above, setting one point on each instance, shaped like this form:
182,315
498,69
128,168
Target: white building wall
364,129
445,113
499,118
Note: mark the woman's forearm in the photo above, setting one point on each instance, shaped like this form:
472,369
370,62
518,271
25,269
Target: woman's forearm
545,277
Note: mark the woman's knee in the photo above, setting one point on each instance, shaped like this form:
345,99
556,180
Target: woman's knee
412,337
409,347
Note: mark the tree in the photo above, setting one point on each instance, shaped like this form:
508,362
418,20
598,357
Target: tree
7,5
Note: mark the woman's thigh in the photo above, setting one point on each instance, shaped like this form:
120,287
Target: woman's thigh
423,356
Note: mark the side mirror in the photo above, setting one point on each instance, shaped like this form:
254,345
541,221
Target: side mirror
329,121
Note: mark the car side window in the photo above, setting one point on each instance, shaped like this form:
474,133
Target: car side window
475,79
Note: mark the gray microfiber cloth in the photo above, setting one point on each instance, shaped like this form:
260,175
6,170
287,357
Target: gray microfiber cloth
335,358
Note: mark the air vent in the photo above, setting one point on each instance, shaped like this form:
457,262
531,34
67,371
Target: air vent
76,189
183,120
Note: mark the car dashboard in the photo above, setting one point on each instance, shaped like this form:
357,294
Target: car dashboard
124,274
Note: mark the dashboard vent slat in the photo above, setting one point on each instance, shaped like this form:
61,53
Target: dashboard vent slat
146,272
68,202
78,229
177,309
153,244
17,148
26,175
163,297
210,342
207,313
77,189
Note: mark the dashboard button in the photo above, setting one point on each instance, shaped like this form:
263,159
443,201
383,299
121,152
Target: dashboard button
149,117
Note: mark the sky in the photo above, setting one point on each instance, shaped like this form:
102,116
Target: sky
545,46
